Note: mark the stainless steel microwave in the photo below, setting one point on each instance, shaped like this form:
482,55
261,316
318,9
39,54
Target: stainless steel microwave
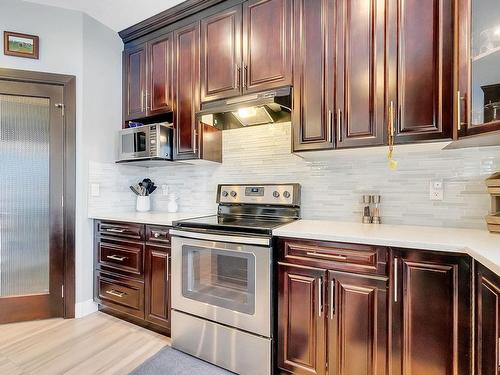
146,142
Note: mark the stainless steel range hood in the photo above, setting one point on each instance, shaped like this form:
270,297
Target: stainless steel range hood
254,109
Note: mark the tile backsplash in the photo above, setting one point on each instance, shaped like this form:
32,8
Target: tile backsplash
332,181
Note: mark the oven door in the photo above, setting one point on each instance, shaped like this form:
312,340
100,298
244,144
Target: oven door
225,282
134,143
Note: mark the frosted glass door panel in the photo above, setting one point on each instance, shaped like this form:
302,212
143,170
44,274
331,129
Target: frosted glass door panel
24,195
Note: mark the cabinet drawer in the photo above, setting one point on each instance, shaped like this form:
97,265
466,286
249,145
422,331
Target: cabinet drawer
158,234
120,230
123,256
336,256
120,293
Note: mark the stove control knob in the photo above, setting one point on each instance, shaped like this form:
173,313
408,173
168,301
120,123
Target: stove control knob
234,194
276,194
286,194
225,193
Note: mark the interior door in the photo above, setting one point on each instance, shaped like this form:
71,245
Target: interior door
221,55
267,44
31,193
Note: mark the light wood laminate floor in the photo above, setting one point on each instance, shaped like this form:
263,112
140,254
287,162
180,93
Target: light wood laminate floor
95,344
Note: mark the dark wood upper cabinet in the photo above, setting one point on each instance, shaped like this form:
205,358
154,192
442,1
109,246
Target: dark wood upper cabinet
221,55
159,92
157,285
360,71
431,314
301,321
487,321
312,115
134,82
421,70
186,90
357,324
267,44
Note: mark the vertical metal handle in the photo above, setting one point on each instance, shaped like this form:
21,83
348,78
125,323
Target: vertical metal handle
332,299
146,99
459,111
168,266
195,141
245,77
391,120
395,279
238,76
320,296
339,125
142,100
330,120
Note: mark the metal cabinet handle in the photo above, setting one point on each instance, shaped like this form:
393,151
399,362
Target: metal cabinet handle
146,99
396,280
459,111
339,125
158,234
320,297
329,256
116,257
142,101
116,293
332,299
195,141
238,76
114,230
168,267
245,77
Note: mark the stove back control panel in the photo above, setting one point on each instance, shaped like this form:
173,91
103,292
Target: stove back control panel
269,194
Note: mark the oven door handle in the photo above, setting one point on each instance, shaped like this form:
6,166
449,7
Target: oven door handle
250,240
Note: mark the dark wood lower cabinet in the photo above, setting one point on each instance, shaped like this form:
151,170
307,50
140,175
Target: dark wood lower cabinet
357,324
487,361
302,323
132,273
431,314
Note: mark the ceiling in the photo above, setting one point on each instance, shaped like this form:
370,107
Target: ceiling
116,14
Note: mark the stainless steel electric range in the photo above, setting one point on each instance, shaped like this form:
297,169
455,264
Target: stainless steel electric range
222,277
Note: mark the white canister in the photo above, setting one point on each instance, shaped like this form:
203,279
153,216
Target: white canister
172,205
143,203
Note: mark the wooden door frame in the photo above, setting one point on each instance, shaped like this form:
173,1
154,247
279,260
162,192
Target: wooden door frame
68,83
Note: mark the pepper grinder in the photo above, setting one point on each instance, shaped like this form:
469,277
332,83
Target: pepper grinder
367,219
376,209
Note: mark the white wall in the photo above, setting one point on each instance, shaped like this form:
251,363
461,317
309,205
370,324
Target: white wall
73,43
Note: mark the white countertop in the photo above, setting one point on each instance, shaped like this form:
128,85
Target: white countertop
152,217
479,244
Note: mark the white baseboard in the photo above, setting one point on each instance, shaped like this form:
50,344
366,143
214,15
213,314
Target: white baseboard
85,308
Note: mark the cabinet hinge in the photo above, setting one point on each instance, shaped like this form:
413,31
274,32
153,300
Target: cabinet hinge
61,106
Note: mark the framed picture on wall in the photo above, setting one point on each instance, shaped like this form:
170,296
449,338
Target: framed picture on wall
20,45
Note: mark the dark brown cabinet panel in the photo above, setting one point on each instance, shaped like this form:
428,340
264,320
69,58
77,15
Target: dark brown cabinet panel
186,90
157,280
360,71
357,328
487,321
301,322
312,115
421,72
221,55
267,41
159,93
431,314
134,82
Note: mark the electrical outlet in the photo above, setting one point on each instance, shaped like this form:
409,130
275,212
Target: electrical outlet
436,190
94,190
164,189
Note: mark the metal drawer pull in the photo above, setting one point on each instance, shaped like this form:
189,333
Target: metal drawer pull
116,257
114,230
159,234
332,299
330,256
320,297
115,293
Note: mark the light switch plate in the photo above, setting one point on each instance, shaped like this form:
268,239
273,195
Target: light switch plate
94,190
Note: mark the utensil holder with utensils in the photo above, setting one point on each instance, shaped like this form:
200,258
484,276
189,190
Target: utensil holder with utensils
143,190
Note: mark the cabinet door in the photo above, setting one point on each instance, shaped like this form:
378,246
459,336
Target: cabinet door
221,55
361,65
301,324
431,314
487,322
134,83
159,93
157,280
267,41
312,116
421,73
186,91
357,324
